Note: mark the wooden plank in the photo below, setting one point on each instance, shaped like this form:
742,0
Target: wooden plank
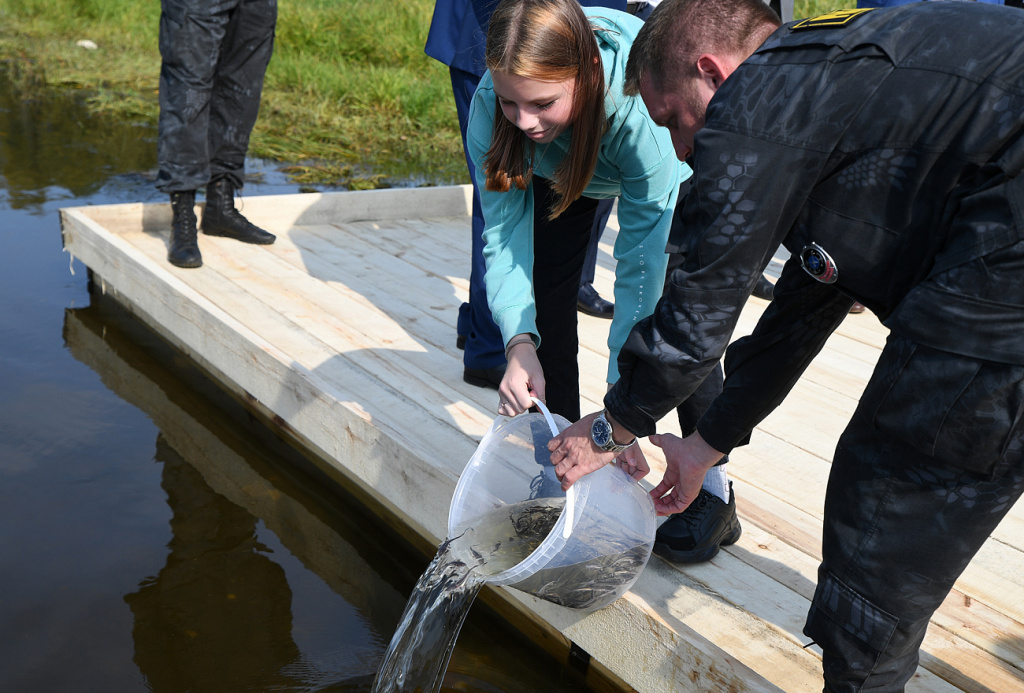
772,465
387,290
946,652
310,406
364,335
348,258
414,243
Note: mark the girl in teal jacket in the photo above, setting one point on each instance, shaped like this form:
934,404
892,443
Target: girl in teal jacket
550,132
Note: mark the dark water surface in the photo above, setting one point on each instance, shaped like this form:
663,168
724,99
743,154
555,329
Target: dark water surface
153,536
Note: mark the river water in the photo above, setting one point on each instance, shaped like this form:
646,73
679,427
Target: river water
153,536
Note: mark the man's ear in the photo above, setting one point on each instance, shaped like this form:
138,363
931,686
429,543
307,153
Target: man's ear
713,70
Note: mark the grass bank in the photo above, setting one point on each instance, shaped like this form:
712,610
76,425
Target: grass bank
349,93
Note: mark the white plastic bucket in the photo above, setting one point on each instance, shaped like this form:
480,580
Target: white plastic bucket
604,533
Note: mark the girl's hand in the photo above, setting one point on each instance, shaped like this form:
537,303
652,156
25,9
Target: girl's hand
524,378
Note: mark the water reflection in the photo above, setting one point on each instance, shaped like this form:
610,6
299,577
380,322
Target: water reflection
49,140
246,523
218,615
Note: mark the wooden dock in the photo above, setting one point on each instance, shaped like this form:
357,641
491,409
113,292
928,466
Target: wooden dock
342,335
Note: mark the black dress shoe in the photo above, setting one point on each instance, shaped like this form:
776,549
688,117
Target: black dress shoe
857,308
591,303
764,288
484,377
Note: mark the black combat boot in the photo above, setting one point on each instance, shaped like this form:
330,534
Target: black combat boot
184,250
220,218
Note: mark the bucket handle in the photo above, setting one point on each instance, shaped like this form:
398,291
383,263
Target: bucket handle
570,495
547,416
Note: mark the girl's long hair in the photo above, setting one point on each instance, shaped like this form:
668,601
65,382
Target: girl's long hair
549,41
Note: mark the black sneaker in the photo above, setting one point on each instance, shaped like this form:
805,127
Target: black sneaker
696,534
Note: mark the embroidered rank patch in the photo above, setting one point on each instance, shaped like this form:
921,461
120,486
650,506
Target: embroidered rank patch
832,19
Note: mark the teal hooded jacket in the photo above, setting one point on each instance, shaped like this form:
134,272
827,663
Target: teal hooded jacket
636,164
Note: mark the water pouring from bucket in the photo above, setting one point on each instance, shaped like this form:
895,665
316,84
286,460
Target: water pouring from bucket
582,549
510,523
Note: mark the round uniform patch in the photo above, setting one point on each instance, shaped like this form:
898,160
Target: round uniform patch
819,264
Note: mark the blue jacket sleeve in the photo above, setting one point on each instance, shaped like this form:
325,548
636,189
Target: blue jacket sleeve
650,176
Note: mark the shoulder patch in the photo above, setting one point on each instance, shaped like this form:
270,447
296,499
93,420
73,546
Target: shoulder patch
832,19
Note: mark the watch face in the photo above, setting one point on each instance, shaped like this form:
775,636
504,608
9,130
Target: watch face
601,432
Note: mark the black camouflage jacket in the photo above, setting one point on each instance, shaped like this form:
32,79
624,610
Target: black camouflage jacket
884,148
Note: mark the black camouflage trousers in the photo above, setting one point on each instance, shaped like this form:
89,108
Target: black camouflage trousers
215,54
930,463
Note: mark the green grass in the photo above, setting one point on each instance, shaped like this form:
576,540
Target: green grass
812,8
350,98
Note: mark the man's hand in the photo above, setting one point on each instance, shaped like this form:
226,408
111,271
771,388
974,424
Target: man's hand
633,462
687,460
574,454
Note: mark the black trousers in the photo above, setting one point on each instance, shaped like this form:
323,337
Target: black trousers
559,251
215,54
931,462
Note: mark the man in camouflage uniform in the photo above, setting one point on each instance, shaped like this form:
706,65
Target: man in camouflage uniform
884,149
215,54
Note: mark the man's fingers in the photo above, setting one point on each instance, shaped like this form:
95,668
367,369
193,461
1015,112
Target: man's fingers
661,489
571,474
669,505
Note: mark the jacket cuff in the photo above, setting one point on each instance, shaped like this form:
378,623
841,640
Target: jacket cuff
627,414
720,434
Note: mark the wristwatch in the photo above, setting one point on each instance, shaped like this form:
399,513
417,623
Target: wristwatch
601,434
